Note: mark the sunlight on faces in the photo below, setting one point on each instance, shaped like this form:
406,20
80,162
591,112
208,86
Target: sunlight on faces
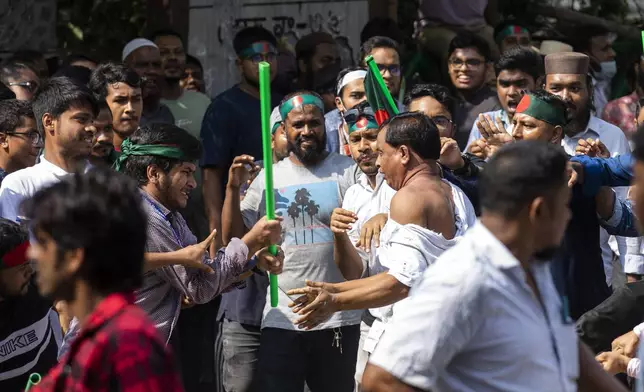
14,281
433,109
363,147
305,133
389,58
280,143
71,132
391,161
126,104
572,89
20,147
55,273
529,128
467,69
146,61
352,94
173,56
173,187
104,134
510,85
549,216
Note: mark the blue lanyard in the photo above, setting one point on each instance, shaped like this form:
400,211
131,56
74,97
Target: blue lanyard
165,218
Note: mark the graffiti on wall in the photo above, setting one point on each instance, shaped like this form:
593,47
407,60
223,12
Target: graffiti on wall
27,24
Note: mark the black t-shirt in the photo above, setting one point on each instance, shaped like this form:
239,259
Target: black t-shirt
30,335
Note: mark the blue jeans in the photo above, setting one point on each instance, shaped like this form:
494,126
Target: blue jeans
289,359
241,355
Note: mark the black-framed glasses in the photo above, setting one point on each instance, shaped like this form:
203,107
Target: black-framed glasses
29,85
469,63
34,137
393,69
443,122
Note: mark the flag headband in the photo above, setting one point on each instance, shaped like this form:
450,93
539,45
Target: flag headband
510,30
350,77
299,101
359,120
129,149
257,48
15,257
541,110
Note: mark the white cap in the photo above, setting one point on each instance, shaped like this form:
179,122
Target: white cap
134,45
276,118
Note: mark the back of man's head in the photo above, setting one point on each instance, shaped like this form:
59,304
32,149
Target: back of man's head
518,174
439,92
135,166
99,212
109,74
416,131
57,95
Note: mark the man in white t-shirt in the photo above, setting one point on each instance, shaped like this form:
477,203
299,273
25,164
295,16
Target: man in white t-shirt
64,114
487,315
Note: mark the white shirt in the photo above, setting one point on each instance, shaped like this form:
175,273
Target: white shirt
472,323
24,183
617,144
366,202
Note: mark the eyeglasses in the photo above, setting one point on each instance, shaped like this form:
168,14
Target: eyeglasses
29,85
34,137
259,57
443,122
469,63
393,69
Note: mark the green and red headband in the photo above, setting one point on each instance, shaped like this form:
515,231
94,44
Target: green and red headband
510,30
300,101
129,149
541,110
257,48
359,121
15,257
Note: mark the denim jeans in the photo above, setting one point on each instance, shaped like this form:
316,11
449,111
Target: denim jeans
241,355
289,359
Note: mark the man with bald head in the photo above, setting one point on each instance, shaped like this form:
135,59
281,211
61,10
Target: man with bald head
142,55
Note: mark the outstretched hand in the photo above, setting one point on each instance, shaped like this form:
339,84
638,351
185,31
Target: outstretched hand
371,232
315,304
192,256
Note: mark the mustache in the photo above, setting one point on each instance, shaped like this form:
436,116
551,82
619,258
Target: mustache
366,157
301,139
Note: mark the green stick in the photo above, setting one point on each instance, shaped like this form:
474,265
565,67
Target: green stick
34,379
265,102
643,39
373,67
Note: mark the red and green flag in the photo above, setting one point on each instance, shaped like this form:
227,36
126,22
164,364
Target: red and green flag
378,95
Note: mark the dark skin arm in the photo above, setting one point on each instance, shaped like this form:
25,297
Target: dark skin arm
213,200
376,379
605,202
344,253
231,218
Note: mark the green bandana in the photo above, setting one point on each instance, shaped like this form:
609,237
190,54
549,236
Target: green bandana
363,121
257,48
541,110
160,150
510,30
298,101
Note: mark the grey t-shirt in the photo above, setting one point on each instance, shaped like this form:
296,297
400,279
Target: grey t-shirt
305,197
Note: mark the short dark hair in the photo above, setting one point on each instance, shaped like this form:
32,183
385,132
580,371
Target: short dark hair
377,42
521,59
12,235
73,57
109,73
12,112
436,91
553,100
305,48
638,141
466,40
101,212
248,36
57,95
158,133
78,73
520,172
416,131
165,33
583,35
342,74
193,60
10,69
32,58
383,27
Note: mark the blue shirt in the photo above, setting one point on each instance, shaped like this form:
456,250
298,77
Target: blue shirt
332,121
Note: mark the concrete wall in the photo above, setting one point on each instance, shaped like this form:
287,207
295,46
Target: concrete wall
213,24
27,24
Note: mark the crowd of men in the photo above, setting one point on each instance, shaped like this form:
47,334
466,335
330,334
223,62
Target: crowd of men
477,241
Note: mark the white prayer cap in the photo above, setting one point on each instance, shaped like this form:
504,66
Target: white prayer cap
350,77
276,119
134,45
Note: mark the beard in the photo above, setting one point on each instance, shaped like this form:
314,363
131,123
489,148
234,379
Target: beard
311,154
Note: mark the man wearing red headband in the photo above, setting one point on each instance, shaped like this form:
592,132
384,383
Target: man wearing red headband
29,329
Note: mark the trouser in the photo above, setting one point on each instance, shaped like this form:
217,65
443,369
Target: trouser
288,359
363,356
241,355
